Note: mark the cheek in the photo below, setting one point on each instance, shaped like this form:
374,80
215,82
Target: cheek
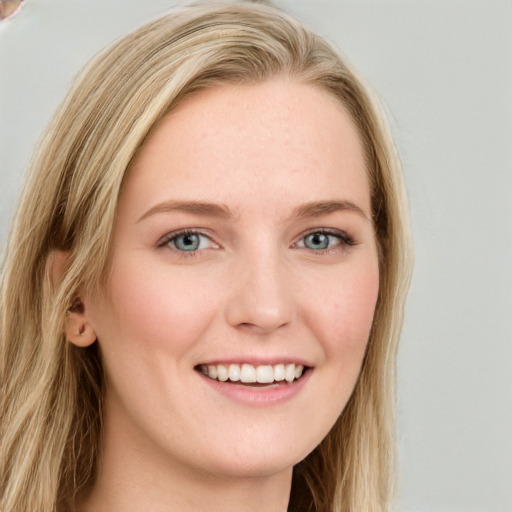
152,311
343,315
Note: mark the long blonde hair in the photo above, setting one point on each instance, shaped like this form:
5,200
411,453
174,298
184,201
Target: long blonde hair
52,390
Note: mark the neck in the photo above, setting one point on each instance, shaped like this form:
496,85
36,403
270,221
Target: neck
134,477
214,494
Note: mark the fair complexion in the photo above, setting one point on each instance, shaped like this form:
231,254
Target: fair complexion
243,237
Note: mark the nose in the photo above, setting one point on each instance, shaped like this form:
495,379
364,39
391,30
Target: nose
261,294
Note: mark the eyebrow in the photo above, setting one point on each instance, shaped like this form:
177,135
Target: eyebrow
318,208
194,207
206,209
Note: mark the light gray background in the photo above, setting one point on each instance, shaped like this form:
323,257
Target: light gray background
444,70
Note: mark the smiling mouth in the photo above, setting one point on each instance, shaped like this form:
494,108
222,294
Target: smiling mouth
253,375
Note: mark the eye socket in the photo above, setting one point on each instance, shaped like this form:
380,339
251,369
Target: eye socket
187,241
192,241
323,240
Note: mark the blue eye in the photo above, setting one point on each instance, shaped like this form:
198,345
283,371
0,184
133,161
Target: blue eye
323,240
187,241
318,241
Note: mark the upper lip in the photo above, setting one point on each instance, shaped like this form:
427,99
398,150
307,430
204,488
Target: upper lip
256,361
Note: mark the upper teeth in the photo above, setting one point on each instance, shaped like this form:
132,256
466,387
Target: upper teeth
247,373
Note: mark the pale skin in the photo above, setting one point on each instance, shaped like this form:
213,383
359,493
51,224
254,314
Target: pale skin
278,264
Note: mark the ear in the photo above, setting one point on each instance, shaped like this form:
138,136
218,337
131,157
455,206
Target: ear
78,329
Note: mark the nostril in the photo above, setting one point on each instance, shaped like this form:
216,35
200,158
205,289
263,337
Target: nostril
262,300
261,327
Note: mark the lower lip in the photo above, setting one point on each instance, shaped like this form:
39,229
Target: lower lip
267,395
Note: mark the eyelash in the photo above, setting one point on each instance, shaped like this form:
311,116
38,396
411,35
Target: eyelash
170,237
344,240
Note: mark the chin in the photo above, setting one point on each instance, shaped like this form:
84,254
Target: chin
261,458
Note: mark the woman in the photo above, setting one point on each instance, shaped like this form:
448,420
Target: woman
204,285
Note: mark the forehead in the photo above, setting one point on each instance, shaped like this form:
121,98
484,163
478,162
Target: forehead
242,143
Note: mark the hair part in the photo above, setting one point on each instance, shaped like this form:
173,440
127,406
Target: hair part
52,390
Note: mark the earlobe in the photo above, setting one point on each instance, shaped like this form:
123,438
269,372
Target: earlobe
78,330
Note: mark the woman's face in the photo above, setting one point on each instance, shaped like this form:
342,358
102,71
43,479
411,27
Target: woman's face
244,249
